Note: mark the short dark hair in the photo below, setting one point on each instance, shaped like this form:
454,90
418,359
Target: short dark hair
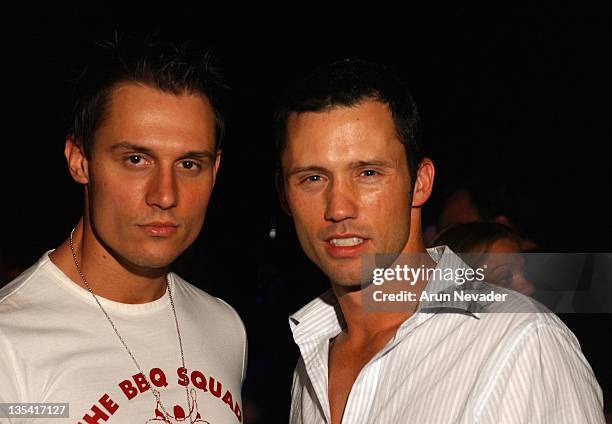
476,237
493,197
347,83
472,240
171,68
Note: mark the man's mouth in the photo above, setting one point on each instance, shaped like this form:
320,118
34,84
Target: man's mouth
346,242
345,245
160,229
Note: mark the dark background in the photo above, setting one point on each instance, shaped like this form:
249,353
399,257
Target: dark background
521,93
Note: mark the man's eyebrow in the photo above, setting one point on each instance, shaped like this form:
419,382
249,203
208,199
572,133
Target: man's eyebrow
196,154
372,162
306,168
126,145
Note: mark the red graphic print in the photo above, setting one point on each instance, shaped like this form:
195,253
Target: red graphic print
180,415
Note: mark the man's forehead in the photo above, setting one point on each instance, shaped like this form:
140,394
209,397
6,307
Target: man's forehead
140,115
126,93
345,132
365,108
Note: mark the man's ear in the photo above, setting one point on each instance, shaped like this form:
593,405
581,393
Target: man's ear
216,165
77,161
282,195
423,184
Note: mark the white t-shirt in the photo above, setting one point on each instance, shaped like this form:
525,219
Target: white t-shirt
56,345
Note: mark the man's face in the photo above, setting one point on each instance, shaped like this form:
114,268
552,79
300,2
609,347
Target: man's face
150,174
347,186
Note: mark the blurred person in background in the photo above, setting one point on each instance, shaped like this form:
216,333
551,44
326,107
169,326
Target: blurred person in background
493,244
486,199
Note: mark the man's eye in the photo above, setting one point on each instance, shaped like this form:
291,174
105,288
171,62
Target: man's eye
312,178
189,164
135,159
369,173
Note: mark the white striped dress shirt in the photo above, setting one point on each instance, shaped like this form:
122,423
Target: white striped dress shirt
451,366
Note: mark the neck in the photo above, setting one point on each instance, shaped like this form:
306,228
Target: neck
106,275
363,324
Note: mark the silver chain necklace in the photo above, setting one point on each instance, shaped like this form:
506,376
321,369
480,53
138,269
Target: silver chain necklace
178,332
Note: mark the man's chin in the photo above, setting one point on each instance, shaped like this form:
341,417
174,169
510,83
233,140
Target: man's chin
350,282
348,287
147,263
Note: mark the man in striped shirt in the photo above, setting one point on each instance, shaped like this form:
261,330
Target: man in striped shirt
354,179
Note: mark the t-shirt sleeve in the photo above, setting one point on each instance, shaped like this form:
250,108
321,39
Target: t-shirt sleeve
544,378
9,377
244,337
245,359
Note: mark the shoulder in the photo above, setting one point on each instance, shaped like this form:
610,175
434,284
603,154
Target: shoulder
202,298
507,329
214,317
199,302
509,324
519,314
542,370
18,284
25,291
532,356
20,307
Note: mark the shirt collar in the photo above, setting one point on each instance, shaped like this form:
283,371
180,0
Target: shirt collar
447,260
322,317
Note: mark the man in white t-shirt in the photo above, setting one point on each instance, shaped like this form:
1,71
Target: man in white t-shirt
353,177
99,325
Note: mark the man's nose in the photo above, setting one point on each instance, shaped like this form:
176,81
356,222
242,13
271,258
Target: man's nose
341,202
162,190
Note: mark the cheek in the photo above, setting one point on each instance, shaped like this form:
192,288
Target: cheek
112,197
305,207
307,213
307,219
388,205
195,200
108,178
374,201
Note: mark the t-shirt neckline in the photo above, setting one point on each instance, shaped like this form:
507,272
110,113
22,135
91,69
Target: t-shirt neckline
110,305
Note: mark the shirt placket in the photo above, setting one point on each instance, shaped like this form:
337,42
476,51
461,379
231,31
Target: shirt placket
362,404
361,396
